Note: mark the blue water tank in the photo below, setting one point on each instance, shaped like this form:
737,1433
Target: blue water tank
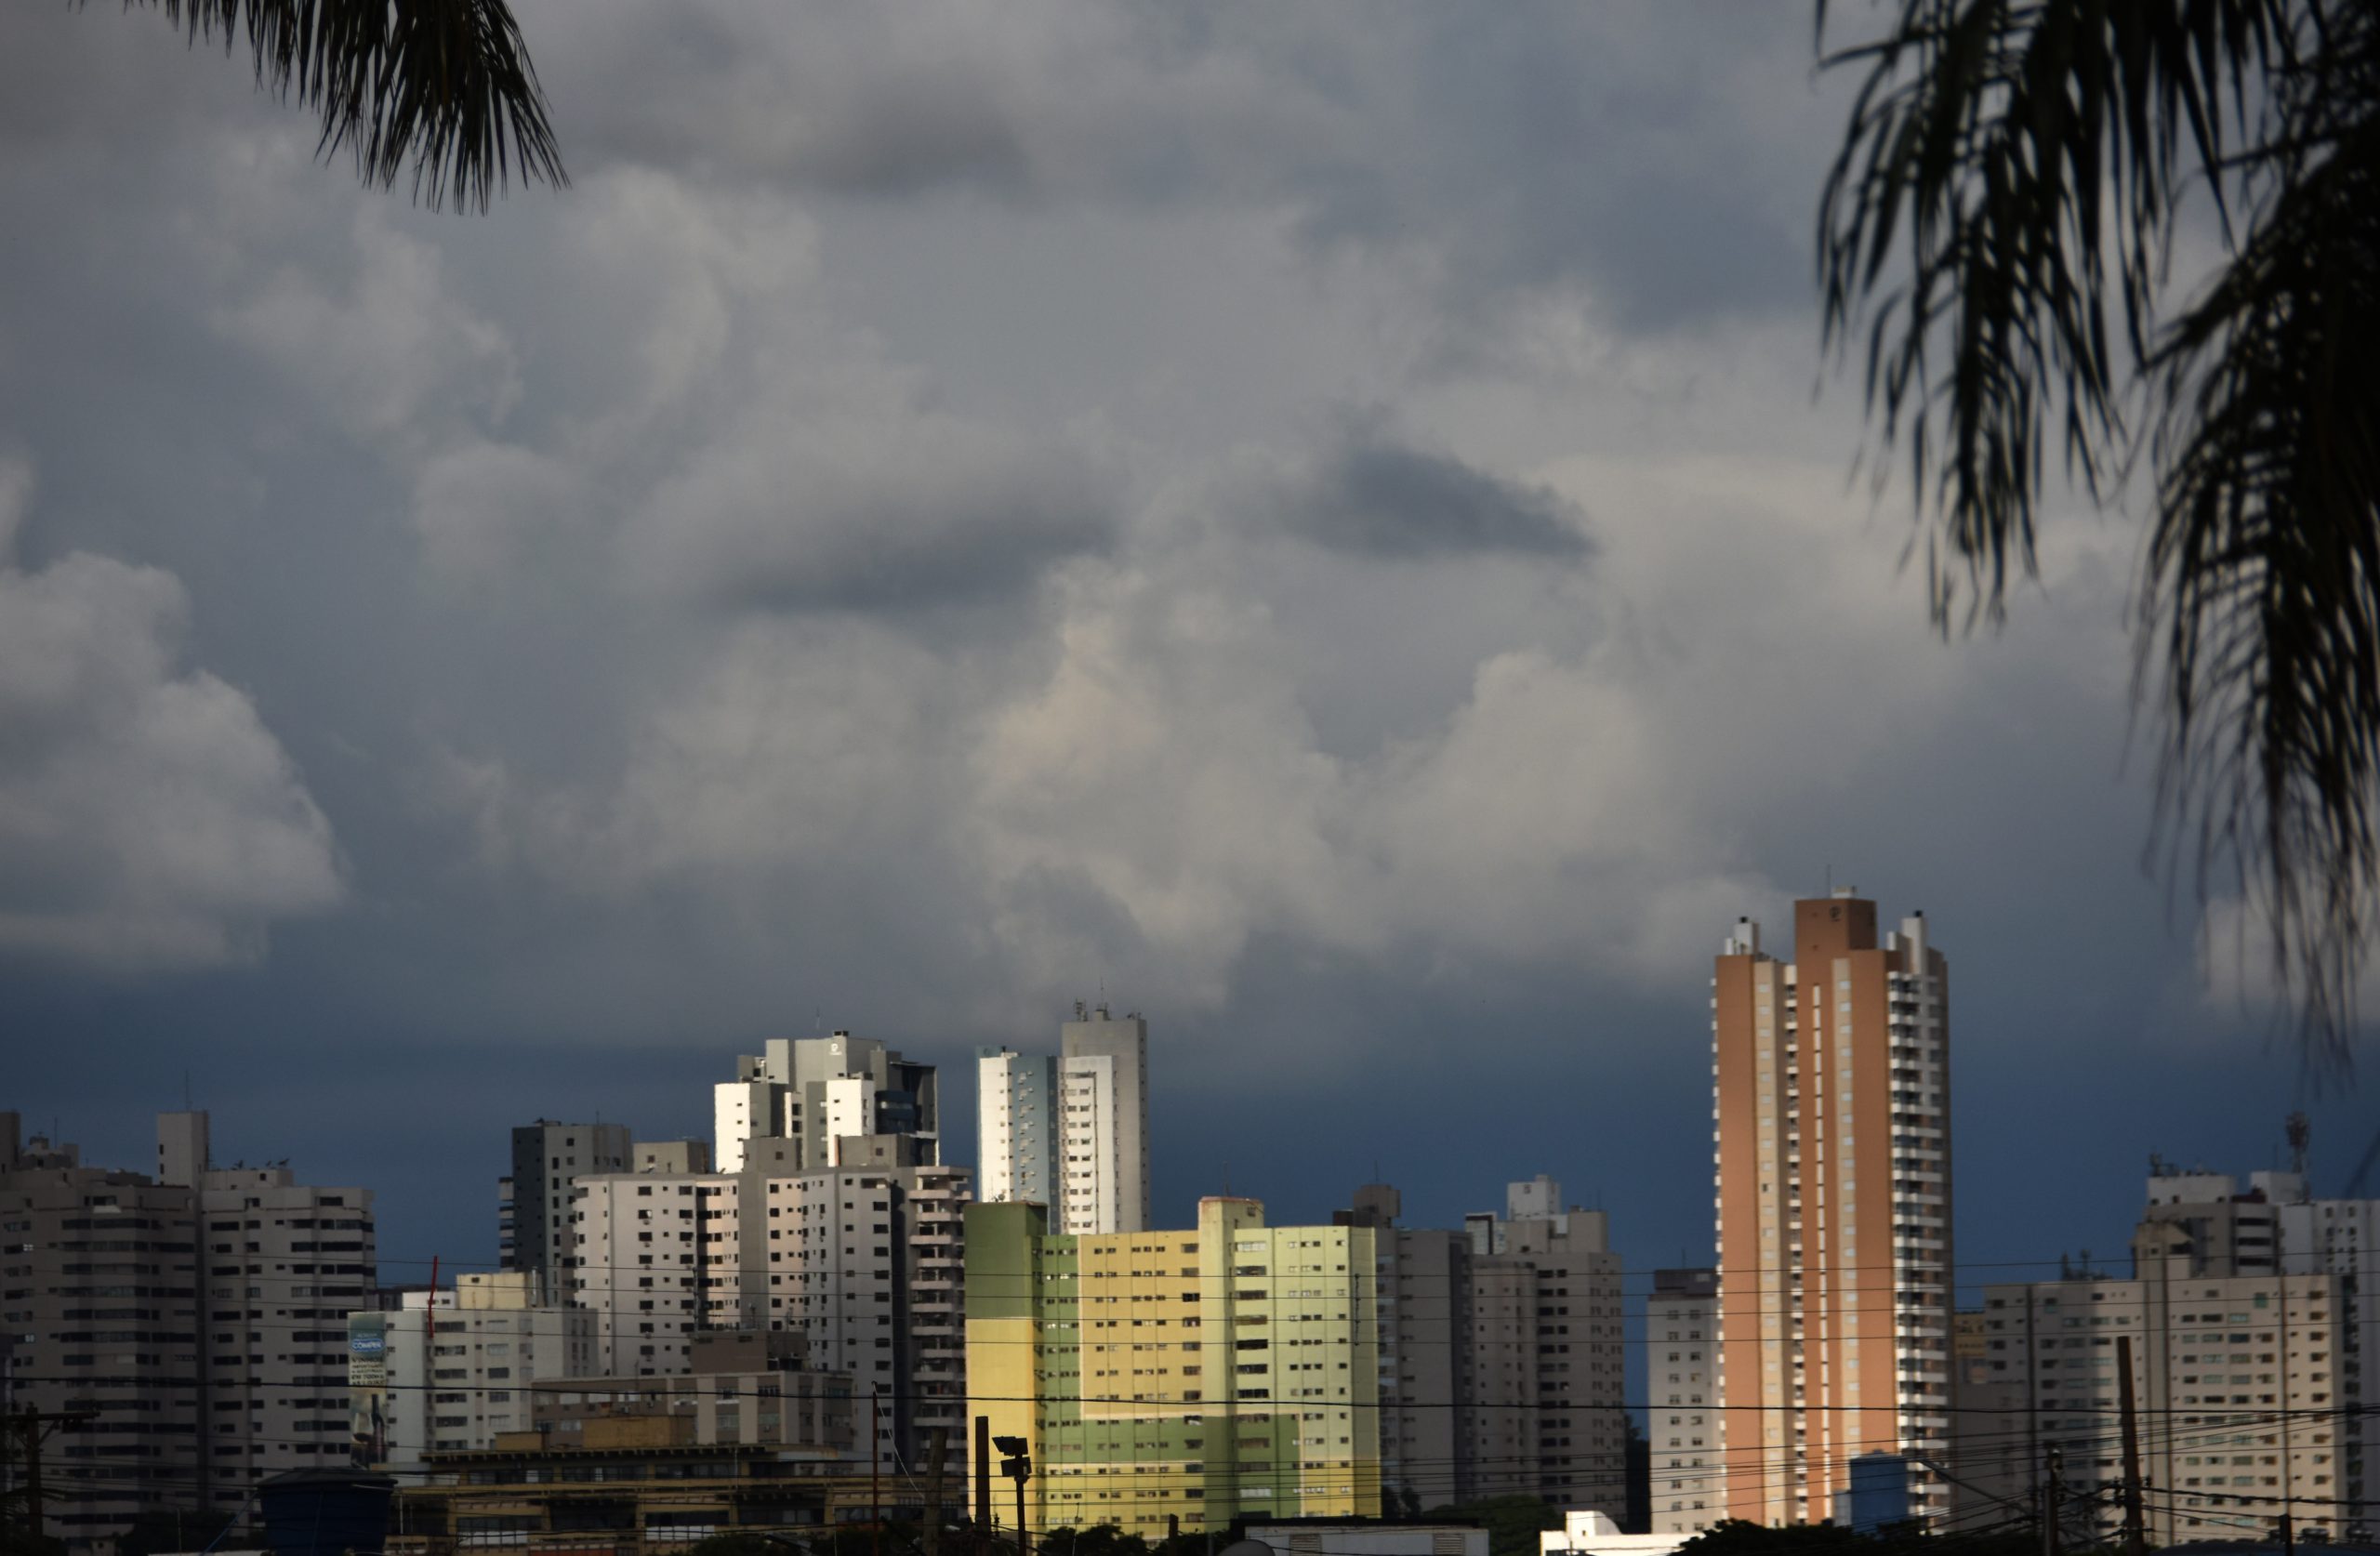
1878,1492
325,1513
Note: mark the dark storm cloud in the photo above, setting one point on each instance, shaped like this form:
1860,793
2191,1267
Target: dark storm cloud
914,512
1374,496
1505,152
571,568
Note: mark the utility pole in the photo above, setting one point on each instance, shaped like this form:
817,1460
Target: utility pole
875,1474
2050,1489
937,1449
2280,1279
984,1476
32,1427
2135,1537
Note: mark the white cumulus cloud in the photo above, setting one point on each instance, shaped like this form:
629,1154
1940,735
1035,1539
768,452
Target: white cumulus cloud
148,818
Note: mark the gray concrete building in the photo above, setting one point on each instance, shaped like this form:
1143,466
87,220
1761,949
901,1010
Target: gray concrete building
533,1228
101,1297
283,1264
1502,1367
198,1317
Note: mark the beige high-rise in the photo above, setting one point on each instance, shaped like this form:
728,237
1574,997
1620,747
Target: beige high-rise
1830,1127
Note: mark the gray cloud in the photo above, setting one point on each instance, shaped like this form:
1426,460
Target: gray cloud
1535,148
148,818
868,514
831,559
1373,494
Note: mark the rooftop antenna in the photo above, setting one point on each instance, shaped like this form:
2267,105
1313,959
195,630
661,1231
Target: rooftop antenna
2301,1130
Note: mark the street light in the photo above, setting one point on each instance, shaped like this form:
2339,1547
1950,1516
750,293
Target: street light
1017,1465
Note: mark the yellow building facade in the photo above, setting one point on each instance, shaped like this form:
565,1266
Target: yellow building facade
1185,1375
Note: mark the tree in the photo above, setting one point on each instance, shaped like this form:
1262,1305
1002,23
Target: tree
1513,1523
445,84
1996,236
1741,1537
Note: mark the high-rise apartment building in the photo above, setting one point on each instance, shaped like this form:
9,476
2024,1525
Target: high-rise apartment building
863,1263
1070,1132
1832,1128
1503,1369
202,1315
1198,1375
1017,1126
2243,1384
813,1092
1681,1386
2270,1223
659,1260
1546,1353
1423,1282
1102,1122
285,1263
867,1264
97,1266
533,1228
447,1371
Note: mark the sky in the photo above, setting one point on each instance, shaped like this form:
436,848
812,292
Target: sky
1329,526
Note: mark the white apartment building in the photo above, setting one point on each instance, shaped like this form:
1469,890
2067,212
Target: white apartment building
1016,1129
450,1369
869,1266
657,1261
1103,1124
2271,1222
865,1263
812,1092
1680,1340
1071,1133
2240,1383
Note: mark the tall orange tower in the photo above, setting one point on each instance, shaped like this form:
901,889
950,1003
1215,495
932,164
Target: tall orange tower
1832,1132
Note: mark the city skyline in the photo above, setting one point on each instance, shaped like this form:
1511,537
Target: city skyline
1333,589
1499,1350
1345,545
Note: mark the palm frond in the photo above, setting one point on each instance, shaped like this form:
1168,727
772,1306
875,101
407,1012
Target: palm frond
1967,222
1998,221
2263,561
447,85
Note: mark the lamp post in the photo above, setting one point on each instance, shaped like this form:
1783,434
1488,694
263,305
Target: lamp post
1017,1465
